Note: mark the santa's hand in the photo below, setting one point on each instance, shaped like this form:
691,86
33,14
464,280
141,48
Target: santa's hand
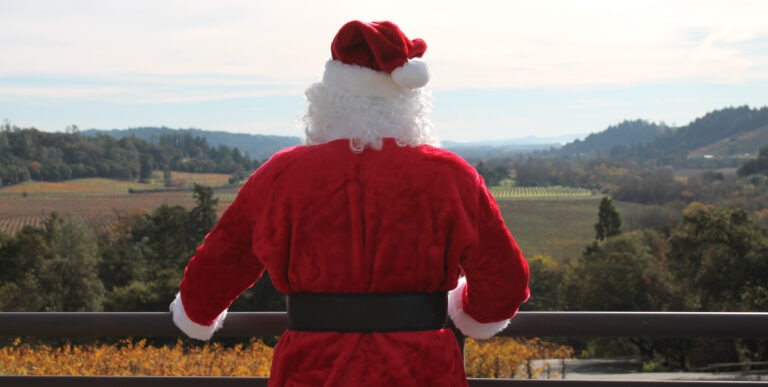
464,322
191,328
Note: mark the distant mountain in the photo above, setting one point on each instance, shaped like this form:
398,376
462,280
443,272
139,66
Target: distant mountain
555,141
485,151
501,148
261,147
727,132
256,146
626,134
746,144
722,137
718,139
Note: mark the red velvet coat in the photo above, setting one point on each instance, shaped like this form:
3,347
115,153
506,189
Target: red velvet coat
322,218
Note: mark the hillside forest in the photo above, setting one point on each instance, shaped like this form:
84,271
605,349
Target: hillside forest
29,154
701,246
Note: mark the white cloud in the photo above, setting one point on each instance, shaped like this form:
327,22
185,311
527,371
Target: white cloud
146,52
472,44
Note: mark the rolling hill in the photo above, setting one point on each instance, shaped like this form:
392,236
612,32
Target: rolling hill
731,133
256,146
719,138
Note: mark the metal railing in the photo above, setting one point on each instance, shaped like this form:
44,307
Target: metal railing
264,324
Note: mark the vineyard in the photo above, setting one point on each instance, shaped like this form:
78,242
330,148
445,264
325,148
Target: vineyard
100,202
556,192
99,211
495,358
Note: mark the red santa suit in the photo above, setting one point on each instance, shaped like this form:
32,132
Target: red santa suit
389,218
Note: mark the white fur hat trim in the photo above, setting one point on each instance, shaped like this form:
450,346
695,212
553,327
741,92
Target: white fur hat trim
358,80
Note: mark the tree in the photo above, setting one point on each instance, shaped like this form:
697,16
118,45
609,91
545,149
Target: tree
546,279
626,272
203,216
608,220
71,277
153,249
51,268
24,256
146,168
720,258
756,166
616,276
492,174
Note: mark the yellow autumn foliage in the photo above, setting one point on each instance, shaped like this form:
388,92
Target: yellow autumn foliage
509,358
129,358
495,358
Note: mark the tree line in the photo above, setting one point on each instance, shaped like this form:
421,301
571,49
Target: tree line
713,260
29,154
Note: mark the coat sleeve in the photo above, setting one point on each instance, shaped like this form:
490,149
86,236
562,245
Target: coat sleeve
496,275
222,268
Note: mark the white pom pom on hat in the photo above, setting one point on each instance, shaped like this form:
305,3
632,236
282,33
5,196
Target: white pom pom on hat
412,75
380,47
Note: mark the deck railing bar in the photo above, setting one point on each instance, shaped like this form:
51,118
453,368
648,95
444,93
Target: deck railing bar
525,324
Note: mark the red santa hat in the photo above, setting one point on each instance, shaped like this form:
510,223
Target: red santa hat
376,58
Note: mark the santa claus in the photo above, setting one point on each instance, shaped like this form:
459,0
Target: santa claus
373,233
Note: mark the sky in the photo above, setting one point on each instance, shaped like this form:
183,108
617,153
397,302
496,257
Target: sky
501,69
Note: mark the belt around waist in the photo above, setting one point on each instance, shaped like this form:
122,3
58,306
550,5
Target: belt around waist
365,313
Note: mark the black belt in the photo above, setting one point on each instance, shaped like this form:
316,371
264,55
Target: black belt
377,312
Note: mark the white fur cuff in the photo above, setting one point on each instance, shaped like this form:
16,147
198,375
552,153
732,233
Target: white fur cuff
191,328
466,324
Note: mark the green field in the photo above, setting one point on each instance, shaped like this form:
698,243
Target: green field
561,228
554,227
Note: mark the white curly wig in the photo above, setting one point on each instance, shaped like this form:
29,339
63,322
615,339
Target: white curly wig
366,106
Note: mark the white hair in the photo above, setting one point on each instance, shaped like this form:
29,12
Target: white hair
365,120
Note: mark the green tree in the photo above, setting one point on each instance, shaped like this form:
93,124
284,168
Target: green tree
147,166
608,220
51,268
618,275
203,216
147,259
755,166
546,279
71,279
719,258
492,174
23,260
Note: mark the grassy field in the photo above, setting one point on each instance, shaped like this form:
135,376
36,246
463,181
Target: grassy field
561,227
555,221
554,227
